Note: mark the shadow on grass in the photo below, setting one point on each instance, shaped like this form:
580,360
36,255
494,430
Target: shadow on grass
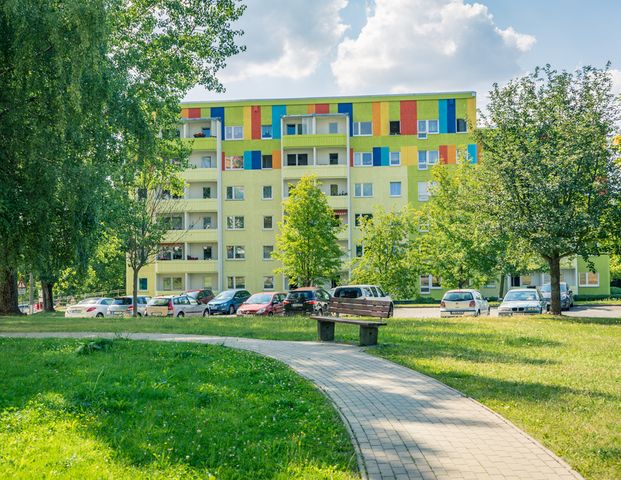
587,320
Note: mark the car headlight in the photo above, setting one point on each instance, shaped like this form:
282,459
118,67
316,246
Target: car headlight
261,310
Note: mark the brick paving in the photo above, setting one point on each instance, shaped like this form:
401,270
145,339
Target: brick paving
404,425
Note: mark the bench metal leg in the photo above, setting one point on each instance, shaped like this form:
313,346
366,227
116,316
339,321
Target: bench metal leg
368,336
325,331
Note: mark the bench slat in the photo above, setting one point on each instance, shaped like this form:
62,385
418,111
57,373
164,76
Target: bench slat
344,320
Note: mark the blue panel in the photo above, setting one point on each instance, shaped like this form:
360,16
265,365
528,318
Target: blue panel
377,156
218,112
443,109
450,116
247,160
472,153
349,109
256,159
277,112
385,157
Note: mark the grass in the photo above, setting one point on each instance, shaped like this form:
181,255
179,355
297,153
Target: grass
125,409
558,378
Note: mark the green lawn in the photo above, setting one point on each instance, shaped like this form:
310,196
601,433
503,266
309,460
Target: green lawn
162,411
557,378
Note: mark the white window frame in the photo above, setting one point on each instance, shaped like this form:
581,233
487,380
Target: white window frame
234,132
236,252
268,259
390,189
231,222
263,197
330,128
171,278
427,280
427,162
586,283
395,156
359,159
297,160
211,162
234,283
264,137
265,283
423,191
272,217
359,190
357,128
235,188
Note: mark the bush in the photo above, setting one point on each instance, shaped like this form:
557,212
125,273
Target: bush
92,346
586,298
615,291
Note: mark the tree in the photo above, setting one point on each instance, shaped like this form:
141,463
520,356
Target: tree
306,243
390,252
546,147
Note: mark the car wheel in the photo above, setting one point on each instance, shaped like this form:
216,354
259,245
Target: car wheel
391,312
181,314
477,313
139,314
231,310
270,314
206,313
489,311
99,315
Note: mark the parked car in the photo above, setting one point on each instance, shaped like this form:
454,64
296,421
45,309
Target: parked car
465,302
90,307
567,296
307,300
521,301
204,295
228,301
124,306
266,303
175,306
365,292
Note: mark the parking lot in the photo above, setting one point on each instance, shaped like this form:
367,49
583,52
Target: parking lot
595,311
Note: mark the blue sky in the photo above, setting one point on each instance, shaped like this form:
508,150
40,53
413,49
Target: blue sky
298,48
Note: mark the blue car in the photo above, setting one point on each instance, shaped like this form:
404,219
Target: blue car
228,301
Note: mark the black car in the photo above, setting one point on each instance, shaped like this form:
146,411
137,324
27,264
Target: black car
307,300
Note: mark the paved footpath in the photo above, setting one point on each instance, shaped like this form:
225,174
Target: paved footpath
404,425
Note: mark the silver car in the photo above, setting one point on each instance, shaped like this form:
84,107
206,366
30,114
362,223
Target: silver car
567,296
123,306
522,301
370,292
465,302
175,306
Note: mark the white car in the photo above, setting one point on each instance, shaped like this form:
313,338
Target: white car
90,307
372,292
175,306
465,302
523,301
123,306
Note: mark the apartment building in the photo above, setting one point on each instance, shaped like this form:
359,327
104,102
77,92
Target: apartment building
246,155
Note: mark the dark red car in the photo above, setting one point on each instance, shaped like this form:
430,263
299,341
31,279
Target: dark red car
203,295
266,303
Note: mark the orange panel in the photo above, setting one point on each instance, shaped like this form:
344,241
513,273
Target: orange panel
377,119
275,158
311,108
185,112
451,154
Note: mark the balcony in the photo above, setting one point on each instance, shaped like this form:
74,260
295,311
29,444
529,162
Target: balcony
320,140
193,205
338,202
200,174
191,236
204,143
325,171
186,266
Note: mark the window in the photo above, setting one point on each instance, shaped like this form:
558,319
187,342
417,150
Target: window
427,127
172,283
359,250
234,133
235,223
395,128
334,159
208,253
235,193
235,252
359,216
363,190
142,284
170,252
432,126
267,252
435,282
172,222
267,192
268,282
395,189
206,162
423,191
425,284
427,158
234,162
333,128
266,161
207,192
206,223
236,282
395,159
526,280
268,222
462,125
589,279
266,131
297,159
363,159
334,190
363,128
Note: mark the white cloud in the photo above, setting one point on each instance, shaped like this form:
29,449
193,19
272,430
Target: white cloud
285,39
428,45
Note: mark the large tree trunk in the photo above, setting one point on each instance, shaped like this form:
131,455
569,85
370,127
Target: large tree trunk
501,290
48,296
9,304
135,291
555,283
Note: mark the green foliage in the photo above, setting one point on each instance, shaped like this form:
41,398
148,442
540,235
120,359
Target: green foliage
92,346
615,267
391,256
306,244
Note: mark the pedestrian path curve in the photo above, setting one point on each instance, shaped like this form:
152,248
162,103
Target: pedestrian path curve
404,425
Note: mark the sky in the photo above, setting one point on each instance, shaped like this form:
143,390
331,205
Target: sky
302,48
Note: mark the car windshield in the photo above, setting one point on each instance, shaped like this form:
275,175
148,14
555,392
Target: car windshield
457,296
547,288
224,295
122,301
300,296
159,302
192,295
260,298
521,296
89,301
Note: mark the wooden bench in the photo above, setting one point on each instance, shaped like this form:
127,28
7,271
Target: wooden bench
353,306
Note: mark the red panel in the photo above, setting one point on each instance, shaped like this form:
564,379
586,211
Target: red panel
443,154
351,157
223,162
322,108
194,113
255,120
409,117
